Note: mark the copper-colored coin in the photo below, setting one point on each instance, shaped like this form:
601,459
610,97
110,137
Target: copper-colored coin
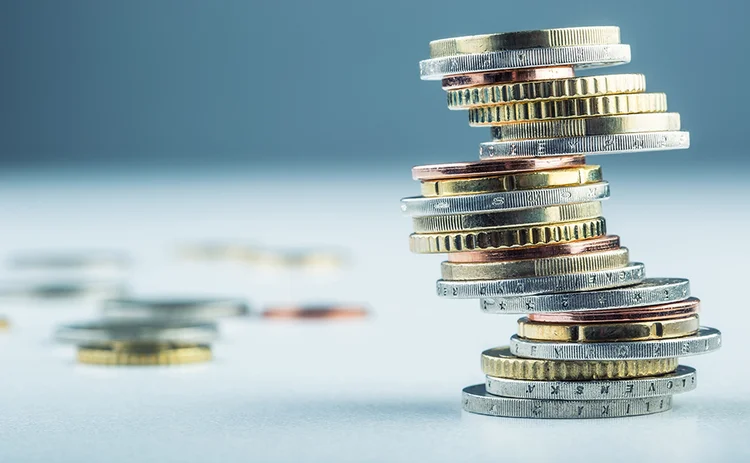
669,311
603,243
493,167
316,312
501,77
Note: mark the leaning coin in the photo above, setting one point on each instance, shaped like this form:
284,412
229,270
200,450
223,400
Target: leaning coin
174,308
581,57
682,380
525,199
632,274
477,400
652,291
71,260
588,145
58,289
706,340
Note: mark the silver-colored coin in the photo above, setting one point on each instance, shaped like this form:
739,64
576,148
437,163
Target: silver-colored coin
652,291
62,289
682,380
706,340
477,400
174,309
594,144
420,206
110,331
72,260
633,274
586,56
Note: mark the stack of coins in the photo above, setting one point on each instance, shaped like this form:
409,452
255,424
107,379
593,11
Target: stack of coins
524,232
134,342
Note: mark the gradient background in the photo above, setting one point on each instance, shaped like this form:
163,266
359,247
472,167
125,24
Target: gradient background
143,125
264,83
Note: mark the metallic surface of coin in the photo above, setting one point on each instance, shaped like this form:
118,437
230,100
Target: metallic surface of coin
507,218
541,38
419,206
580,57
588,145
499,362
477,400
649,292
512,182
499,77
608,332
174,308
574,87
130,331
705,341
316,312
632,274
494,167
683,379
143,355
679,309
507,237
603,243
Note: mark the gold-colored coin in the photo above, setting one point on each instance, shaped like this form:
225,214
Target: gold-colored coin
500,363
606,332
635,103
148,354
560,265
511,182
582,127
509,218
577,87
507,237
4,324
562,37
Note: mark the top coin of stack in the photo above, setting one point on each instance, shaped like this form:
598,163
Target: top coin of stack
524,231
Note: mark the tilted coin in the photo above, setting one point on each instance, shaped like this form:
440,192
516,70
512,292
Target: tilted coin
499,362
60,289
632,274
608,332
500,238
574,87
174,308
507,218
588,126
109,331
503,77
316,312
71,260
596,106
511,182
494,167
588,145
581,57
465,204
143,355
689,306
602,243
683,379
561,265
560,37
705,341
477,400
651,291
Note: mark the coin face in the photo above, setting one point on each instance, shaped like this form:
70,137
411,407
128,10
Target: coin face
316,312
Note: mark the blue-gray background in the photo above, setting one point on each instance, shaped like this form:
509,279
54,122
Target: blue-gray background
189,82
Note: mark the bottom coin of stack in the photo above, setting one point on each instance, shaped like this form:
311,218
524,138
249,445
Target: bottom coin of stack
131,342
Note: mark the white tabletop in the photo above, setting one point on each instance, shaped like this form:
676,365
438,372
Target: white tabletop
383,389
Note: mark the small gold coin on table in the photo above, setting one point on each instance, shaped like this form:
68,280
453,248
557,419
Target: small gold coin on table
609,332
143,355
500,363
